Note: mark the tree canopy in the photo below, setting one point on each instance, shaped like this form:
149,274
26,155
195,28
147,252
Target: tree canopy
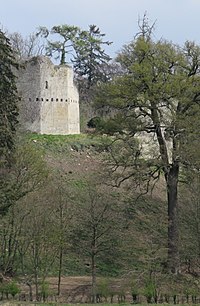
155,100
90,56
8,97
83,48
64,45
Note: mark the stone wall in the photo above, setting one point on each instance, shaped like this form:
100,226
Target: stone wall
50,100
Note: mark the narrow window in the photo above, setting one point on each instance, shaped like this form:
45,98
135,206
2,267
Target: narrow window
37,99
46,85
52,99
61,100
57,99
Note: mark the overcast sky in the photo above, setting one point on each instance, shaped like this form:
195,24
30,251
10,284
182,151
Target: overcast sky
176,20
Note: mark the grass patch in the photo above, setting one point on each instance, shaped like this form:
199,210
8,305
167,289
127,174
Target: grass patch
80,184
65,143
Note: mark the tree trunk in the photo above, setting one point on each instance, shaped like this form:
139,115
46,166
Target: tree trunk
36,286
30,291
62,61
60,268
93,265
93,279
173,235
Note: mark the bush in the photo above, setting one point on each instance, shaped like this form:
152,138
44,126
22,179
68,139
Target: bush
44,290
150,292
94,122
135,294
10,288
103,290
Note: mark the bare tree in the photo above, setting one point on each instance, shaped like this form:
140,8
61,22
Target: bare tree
26,47
96,229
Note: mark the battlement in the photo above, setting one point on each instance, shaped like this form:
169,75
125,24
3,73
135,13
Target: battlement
49,98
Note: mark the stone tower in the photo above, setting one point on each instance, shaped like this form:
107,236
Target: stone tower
50,100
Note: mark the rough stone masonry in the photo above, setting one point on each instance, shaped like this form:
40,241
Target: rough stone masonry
49,97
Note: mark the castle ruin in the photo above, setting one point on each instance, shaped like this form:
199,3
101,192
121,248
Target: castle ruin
49,98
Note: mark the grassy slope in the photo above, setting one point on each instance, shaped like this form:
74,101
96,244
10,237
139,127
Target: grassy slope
70,150
80,156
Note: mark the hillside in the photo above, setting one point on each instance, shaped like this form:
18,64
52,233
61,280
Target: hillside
82,156
49,232
74,154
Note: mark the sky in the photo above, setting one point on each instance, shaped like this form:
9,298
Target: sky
176,20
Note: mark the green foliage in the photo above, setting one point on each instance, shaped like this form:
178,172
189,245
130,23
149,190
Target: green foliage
154,101
8,98
140,230
44,290
28,173
75,265
84,49
103,288
134,294
11,288
110,127
67,35
90,55
150,291
95,229
79,184
8,118
62,144
94,122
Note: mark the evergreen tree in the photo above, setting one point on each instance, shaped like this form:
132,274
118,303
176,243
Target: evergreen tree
8,98
90,56
65,45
